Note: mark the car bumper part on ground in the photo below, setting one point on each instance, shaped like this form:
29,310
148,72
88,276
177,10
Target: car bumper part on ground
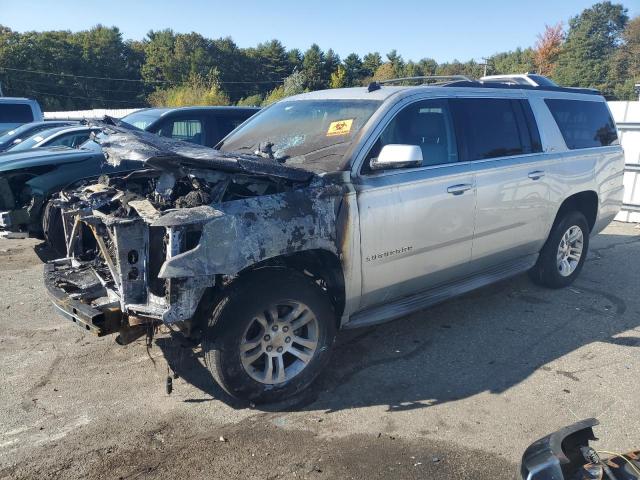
98,322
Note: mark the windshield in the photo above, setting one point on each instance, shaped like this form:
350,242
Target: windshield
311,134
143,118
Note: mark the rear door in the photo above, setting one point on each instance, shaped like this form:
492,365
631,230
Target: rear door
187,126
500,138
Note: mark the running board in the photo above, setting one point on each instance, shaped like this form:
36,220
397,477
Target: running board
420,301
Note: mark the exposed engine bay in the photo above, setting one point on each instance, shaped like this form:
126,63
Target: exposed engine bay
144,247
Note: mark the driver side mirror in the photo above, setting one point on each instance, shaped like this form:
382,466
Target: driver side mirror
397,156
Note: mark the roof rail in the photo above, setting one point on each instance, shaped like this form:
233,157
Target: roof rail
441,78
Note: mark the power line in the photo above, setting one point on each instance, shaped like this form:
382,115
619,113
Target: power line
80,98
40,72
93,89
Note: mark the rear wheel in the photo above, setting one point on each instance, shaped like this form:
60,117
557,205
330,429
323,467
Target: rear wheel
563,255
270,335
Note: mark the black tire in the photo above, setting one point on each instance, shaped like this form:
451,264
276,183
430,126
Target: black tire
53,229
239,305
546,271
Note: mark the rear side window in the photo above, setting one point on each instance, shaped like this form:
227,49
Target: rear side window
583,124
15,113
188,130
494,127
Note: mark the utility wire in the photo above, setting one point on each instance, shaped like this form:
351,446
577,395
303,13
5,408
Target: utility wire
40,72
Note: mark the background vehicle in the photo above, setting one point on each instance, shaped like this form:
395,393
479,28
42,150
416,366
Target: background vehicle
208,124
337,209
17,111
28,178
529,79
17,135
63,136
201,125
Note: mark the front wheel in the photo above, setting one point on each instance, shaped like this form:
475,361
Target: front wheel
270,335
564,253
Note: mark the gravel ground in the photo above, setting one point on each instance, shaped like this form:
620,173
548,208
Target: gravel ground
457,391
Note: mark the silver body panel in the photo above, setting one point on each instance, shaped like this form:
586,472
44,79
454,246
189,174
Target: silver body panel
416,244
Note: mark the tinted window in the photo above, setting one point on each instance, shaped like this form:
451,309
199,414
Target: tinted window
427,124
188,130
72,140
490,127
583,124
227,123
15,113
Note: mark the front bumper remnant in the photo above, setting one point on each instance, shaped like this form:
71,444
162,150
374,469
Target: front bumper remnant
60,286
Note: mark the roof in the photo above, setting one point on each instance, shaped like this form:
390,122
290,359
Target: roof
16,99
165,110
383,92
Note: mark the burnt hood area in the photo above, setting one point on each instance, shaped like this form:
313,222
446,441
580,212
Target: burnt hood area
121,141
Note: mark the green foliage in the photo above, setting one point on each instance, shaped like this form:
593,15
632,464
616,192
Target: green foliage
590,47
251,101
293,85
96,68
195,91
338,78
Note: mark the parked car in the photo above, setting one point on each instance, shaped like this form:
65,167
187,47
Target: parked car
65,136
18,111
201,125
18,210
336,209
28,178
17,135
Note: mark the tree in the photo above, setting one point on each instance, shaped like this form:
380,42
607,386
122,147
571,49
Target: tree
353,69
516,61
293,85
313,68
591,43
386,71
331,63
396,61
338,78
370,63
548,48
625,70
197,90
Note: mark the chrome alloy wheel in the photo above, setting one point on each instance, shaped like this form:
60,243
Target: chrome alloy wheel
279,342
570,250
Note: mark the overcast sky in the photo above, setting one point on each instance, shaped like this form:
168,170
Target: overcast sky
443,30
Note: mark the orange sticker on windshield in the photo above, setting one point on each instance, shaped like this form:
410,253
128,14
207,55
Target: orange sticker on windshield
341,127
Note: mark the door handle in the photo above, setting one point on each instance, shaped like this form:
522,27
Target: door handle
536,174
459,189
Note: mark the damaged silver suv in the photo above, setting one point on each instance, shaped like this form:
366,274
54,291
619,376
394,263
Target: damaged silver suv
335,209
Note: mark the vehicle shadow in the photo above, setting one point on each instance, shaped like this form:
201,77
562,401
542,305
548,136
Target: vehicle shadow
486,341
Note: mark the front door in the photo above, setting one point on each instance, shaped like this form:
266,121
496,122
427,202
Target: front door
416,224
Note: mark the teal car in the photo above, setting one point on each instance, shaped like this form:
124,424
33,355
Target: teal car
29,178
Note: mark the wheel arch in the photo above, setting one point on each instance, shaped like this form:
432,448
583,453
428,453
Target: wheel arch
322,265
585,202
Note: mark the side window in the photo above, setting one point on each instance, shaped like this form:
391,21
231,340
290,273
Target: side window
491,127
15,113
427,124
228,123
65,139
583,124
188,130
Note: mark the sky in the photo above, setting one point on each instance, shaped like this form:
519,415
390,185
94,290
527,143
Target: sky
444,30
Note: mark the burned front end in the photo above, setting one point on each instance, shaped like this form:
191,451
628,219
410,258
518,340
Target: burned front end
153,246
